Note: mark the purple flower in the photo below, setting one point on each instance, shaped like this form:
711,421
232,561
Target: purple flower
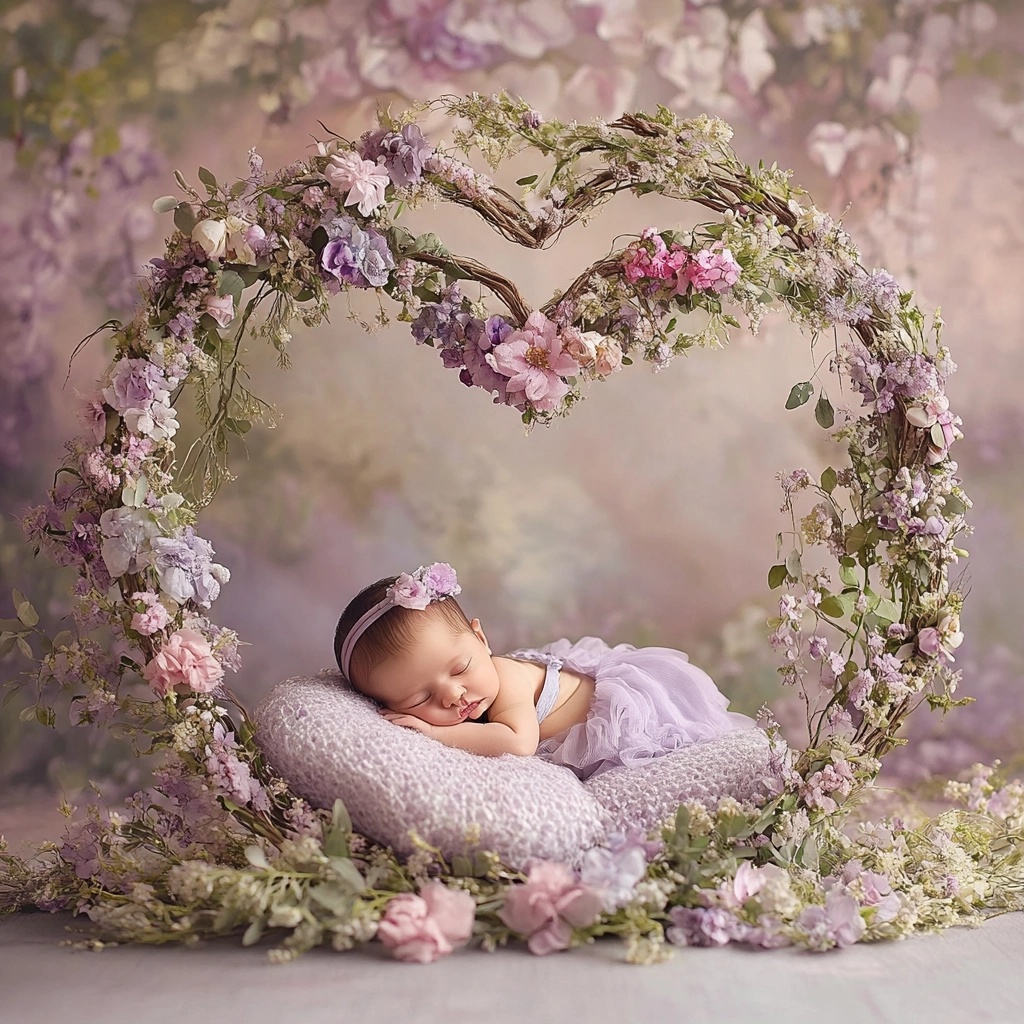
231,775
135,384
357,257
614,873
701,926
127,533
403,153
186,570
441,579
837,923
429,38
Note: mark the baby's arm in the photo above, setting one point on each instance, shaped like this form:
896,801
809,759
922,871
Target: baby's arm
515,730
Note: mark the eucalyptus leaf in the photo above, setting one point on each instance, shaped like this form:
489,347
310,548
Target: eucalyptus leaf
26,613
165,204
24,648
823,412
848,574
776,576
832,607
184,218
829,479
528,180
231,284
793,566
208,178
334,898
799,394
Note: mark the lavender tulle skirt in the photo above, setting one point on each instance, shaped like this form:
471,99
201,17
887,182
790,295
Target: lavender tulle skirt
647,702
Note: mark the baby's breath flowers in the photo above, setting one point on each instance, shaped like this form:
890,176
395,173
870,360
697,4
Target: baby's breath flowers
220,844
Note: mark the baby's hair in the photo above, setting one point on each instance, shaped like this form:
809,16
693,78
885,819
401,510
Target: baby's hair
392,632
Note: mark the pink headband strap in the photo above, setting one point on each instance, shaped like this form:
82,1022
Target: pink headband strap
428,583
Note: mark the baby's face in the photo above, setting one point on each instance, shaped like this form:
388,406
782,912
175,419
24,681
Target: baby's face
440,678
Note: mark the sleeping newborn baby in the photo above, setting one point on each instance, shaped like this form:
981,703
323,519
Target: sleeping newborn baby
406,643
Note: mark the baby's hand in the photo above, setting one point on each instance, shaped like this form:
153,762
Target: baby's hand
409,721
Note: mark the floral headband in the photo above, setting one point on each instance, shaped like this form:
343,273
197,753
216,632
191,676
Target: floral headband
428,583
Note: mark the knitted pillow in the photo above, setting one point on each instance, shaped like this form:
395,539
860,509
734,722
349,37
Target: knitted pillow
328,741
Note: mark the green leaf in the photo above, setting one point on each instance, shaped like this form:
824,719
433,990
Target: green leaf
829,479
776,576
26,613
45,716
832,607
856,539
348,874
184,218
238,189
7,642
954,506
799,394
337,901
793,565
848,574
340,818
528,180
461,864
208,178
165,204
823,412
231,284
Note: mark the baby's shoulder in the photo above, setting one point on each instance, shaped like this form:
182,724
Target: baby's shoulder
517,679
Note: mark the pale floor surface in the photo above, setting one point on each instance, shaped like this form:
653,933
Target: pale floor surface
962,975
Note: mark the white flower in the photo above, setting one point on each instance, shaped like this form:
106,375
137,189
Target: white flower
212,237
158,421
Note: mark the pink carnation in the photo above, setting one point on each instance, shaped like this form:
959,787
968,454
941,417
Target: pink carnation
548,905
709,270
535,360
419,929
186,660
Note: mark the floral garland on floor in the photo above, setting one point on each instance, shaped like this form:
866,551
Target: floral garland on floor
221,844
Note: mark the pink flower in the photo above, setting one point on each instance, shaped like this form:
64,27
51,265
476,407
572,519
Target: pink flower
409,592
709,270
364,180
419,929
153,618
221,308
536,362
609,357
548,905
92,414
928,641
186,660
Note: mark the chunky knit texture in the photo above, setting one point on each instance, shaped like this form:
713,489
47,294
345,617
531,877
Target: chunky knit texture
330,742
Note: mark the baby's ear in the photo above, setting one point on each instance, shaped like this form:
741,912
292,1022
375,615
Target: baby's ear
480,635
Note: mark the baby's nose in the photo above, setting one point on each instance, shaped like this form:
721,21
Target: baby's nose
454,696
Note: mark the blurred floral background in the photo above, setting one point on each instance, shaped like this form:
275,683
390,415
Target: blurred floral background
649,516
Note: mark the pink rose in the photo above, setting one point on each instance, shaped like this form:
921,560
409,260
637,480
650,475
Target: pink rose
609,357
409,592
582,346
186,660
419,929
221,308
548,905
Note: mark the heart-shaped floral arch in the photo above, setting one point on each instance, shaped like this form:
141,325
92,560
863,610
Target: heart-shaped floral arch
875,633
